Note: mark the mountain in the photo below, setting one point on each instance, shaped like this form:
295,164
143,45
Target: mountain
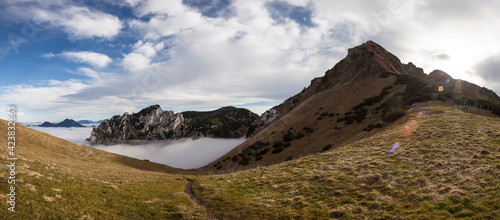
66,123
446,166
359,97
152,123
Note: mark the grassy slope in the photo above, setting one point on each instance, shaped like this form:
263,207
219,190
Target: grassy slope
337,100
447,165
58,179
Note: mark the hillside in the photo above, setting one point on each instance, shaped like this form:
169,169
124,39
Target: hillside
56,179
152,123
361,95
447,166
371,139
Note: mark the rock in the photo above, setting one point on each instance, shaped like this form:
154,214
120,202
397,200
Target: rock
152,123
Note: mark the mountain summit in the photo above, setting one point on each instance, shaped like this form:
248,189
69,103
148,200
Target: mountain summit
363,93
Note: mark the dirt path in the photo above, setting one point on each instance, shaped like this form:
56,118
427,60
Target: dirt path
188,189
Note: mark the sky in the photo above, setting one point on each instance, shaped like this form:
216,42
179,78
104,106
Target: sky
85,59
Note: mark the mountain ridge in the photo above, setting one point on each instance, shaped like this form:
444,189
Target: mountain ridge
357,98
67,123
152,123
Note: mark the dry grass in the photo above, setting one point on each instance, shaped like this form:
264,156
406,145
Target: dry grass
57,179
320,114
447,166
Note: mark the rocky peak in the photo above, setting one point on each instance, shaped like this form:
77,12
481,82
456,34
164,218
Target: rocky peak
440,76
411,69
154,109
365,60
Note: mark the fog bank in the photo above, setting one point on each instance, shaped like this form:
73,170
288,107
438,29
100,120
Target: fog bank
184,153
73,134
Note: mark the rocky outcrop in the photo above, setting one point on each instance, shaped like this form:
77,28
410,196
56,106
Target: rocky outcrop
152,123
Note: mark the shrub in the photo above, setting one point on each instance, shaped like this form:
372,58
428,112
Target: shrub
263,151
277,150
299,135
386,74
349,121
387,88
380,107
394,114
383,93
308,130
258,145
325,148
278,144
372,126
288,137
245,160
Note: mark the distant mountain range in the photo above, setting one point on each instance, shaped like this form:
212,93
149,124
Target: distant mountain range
66,123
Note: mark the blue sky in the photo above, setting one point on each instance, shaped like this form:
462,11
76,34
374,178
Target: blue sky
93,59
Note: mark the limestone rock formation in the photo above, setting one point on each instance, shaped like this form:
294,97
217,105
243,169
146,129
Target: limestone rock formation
152,123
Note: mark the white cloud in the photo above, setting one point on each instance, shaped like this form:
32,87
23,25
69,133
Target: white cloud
173,8
77,21
48,97
135,61
80,22
47,55
87,72
88,57
133,3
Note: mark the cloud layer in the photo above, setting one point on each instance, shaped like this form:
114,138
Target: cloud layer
185,153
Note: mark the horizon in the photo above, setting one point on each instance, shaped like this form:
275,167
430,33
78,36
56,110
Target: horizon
90,61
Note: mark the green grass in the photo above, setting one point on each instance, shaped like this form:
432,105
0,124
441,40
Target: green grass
46,194
432,175
447,166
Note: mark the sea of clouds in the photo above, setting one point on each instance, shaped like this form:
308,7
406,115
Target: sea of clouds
184,153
